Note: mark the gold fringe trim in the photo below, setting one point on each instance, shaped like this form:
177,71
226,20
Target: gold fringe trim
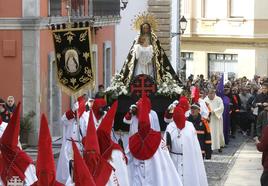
84,89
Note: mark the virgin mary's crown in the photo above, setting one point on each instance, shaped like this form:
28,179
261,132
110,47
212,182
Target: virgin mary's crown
142,18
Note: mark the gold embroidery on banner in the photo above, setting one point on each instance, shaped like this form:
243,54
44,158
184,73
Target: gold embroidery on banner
86,55
64,81
74,87
57,38
84,79
73,81
60,73
70,36
83,36
88,72
58,56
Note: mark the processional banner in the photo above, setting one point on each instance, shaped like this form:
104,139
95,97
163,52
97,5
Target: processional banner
74,63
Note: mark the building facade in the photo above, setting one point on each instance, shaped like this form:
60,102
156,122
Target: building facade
27,65
225,36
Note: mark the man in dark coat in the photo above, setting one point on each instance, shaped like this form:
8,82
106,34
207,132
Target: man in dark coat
202,129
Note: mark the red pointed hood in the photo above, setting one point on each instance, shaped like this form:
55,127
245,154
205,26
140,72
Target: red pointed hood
107,122
82,106
82,176
14,160
99,168
195,94
11,134
45,165
184,103
143,118
179,117
97,104
146,141
104,133
91,140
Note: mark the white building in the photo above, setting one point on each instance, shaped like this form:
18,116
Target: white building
228,36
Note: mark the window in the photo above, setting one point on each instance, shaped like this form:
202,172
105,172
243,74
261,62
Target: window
223,63
236,8
78,7
54,8
105,7
107,59
214,9
187,55
188,63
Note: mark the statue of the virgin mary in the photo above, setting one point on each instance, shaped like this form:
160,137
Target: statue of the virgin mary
146,56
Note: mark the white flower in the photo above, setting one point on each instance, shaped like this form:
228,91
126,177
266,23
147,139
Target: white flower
117,87
169,87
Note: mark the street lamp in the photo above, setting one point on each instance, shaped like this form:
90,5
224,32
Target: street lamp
124,2
182,26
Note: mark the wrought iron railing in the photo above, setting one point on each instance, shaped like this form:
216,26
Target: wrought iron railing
105,7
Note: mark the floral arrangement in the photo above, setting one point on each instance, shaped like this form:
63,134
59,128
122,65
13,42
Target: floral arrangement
168,87
117,87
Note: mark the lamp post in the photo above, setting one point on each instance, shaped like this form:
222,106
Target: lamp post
124,2
181,28
182,25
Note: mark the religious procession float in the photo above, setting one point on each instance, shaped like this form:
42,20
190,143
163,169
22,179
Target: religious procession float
146,69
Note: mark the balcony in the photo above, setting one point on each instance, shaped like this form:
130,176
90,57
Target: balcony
105,8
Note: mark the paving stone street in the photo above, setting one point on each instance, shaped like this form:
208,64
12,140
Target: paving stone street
217,168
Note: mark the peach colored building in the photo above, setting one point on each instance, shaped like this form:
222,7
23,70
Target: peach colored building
27,67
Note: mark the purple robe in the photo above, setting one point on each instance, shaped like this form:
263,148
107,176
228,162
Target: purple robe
226,118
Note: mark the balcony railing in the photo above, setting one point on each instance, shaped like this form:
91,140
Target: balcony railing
105,7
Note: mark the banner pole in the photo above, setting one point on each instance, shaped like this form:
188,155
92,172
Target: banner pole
68,7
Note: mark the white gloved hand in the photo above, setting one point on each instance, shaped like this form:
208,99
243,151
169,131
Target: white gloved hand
171,106
132,106
75,106
176,102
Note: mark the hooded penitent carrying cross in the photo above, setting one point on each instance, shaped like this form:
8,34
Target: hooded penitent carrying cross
45,165
111,151
15,161
184,104
147,151
185,152
98,166
74,123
